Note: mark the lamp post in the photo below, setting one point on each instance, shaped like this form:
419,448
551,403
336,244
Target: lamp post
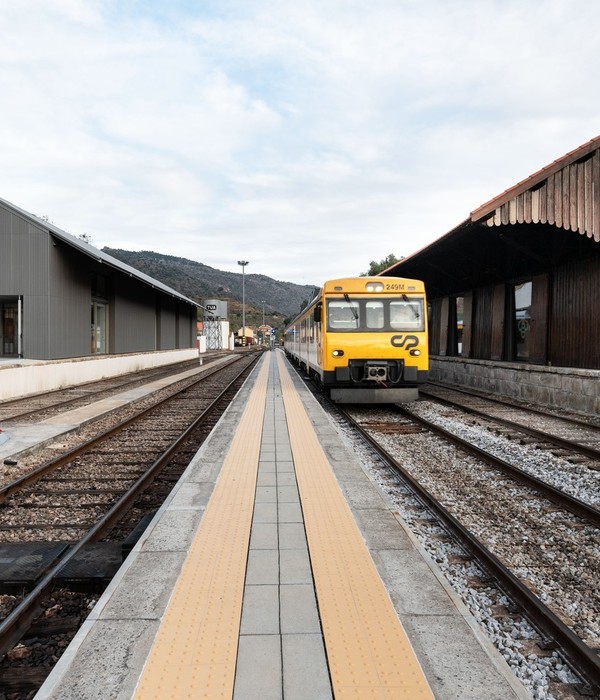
263,333
243,263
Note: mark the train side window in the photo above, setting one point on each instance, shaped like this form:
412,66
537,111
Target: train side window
374,314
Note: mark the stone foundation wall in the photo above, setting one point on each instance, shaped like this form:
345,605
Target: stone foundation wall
577,390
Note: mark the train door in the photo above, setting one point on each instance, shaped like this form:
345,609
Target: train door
319,332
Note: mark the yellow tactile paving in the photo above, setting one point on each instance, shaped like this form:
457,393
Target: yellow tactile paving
195,650
367,648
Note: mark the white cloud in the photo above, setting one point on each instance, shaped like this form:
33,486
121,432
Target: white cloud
309,138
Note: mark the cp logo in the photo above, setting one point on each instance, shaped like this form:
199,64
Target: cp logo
404,341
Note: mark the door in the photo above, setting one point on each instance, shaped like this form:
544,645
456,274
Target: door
9,328
99,328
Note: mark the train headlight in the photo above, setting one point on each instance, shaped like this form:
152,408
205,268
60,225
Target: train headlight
338,353
415,353
374,287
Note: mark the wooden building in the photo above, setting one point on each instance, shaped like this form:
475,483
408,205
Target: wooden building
516,286
62,298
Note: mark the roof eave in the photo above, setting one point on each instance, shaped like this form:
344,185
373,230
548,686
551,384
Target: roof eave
95,253
485,209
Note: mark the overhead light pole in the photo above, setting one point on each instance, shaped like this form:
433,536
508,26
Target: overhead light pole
243,263
263,324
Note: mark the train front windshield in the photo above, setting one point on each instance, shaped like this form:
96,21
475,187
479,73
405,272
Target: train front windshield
371,315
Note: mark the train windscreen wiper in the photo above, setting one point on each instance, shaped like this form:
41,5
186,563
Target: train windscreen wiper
415,311
352,309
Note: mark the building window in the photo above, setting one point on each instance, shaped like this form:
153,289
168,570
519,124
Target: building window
99,328
522,320
99,286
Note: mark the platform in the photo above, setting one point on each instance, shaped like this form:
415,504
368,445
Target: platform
277,569
18,439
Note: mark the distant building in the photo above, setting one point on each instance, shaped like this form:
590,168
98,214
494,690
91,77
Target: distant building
248,339
62,298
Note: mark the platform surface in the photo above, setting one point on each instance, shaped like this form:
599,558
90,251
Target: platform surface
17,438
335,598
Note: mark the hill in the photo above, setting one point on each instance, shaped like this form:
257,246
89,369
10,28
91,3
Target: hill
200,282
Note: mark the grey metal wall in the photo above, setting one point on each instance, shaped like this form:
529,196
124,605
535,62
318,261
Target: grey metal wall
24,272
55,281
167,319
133,327
186,335
69,301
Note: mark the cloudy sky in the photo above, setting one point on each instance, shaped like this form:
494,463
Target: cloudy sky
306,136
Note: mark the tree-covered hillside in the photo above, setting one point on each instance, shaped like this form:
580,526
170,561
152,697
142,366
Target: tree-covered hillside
199,282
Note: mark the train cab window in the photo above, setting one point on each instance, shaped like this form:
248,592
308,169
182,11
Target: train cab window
407,315
374,314
342,315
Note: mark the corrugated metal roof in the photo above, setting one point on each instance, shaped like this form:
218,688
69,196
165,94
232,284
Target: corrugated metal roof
95,253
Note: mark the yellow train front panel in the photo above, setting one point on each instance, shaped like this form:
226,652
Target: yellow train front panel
364,334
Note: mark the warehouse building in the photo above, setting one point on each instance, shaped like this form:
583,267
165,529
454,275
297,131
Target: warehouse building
62,298
513,289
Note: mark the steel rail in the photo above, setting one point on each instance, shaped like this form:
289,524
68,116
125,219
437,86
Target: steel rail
16,623
570,445
582,658
89,395
506,402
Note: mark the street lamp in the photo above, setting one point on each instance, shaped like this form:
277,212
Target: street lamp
263,333
243,263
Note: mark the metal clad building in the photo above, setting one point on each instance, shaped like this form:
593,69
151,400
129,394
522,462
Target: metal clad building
517,284
62,298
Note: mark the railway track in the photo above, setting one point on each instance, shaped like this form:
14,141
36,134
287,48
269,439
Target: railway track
545,602
560,452
471,507
82,507
576,439
586,511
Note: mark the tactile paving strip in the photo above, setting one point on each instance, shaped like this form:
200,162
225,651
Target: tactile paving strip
195,650
367,648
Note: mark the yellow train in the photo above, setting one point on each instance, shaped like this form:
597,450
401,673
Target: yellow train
364,339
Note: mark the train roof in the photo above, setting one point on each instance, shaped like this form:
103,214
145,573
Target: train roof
359,284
